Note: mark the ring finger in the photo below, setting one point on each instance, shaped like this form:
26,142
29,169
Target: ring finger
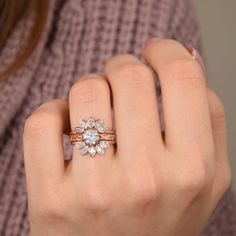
90,97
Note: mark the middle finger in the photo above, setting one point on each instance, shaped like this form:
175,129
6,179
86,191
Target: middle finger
135,105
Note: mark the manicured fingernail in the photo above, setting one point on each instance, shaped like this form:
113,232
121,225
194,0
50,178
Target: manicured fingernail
151,40
196,55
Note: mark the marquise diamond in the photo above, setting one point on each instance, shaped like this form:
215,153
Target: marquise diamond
101,129
84,150
98,124
92,151
79,130
90,122
80,144
104,144
100,149
83,124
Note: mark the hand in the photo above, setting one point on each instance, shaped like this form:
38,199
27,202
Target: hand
146,185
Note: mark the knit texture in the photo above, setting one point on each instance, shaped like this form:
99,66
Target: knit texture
79,37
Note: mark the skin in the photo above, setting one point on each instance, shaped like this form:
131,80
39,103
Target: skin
147,185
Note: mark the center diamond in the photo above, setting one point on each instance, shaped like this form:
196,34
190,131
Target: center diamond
91,136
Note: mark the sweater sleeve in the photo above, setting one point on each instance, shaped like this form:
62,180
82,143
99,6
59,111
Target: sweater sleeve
183,24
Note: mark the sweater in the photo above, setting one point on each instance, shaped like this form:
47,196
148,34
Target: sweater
79,36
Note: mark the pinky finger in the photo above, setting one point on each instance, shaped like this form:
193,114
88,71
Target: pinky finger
218,120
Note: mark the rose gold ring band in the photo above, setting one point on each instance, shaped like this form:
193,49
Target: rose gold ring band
108,136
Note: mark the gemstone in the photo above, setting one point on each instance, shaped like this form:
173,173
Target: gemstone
104,144
83,124
90,122
98,124
91,136
92,151
79,130
80,144
99,149
84,150
101,129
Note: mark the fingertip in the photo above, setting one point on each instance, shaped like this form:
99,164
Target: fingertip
151,41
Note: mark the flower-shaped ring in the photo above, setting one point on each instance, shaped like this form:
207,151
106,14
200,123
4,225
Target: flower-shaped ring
92,137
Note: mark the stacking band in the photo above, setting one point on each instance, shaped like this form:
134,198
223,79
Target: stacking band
91,137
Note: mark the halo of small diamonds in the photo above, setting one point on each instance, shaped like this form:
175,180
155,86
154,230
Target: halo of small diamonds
91,142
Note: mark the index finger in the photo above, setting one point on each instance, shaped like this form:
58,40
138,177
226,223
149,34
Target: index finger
43,141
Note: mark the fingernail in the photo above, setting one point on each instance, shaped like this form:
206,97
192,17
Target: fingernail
196,55
151,40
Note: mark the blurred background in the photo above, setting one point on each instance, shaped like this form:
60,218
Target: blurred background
218,25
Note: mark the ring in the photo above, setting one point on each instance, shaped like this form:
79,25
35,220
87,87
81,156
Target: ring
92,137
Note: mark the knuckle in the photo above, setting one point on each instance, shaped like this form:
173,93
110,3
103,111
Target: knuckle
95,200
144,193
217,109
50,211
193,181
118,60
136,73
173,43
51,207
166,43
143,187
37,124
88,89
218,112
184,69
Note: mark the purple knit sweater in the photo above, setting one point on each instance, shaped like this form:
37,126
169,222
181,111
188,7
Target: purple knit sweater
80,36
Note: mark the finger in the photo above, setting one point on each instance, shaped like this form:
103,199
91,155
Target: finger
186,111
90,96
218,121
43,141
135,104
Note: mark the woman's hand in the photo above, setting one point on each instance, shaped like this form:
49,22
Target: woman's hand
146,185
